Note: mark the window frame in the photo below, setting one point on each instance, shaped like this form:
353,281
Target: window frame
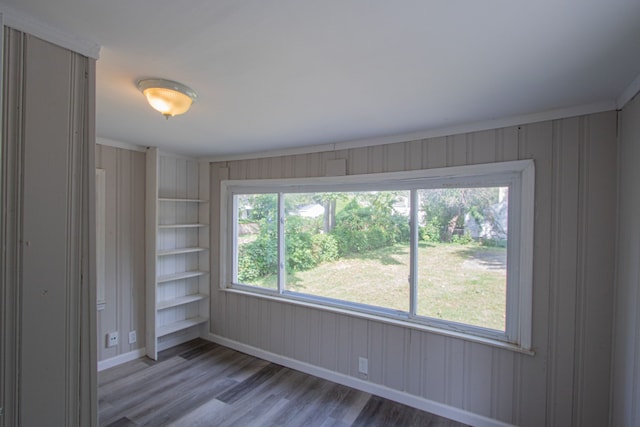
518,175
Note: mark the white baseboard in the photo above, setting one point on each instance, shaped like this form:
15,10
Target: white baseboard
120,359
366,386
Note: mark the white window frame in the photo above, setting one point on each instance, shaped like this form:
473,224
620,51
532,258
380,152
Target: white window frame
519,176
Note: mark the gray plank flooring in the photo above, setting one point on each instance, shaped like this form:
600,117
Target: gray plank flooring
200,383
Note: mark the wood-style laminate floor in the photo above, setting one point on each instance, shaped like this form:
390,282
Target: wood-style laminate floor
205,384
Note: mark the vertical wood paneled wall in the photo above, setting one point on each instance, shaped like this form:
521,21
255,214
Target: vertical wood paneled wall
625,394
566,382
48,362
124,310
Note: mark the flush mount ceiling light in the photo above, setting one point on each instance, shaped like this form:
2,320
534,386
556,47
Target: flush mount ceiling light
168,97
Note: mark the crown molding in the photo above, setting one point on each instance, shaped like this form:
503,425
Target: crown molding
27,24
556,114
628,93
119,144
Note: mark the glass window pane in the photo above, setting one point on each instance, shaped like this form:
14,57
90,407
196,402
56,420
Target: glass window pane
349,246
462,255
257,237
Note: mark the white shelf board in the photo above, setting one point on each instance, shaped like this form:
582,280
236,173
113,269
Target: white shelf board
179,325
174,302
177,251
182,225
168,199
180,276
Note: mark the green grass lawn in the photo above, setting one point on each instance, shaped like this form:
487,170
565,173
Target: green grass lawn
463,283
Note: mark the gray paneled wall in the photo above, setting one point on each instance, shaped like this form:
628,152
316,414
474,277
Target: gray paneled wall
567,381
625,393
47,356
124,256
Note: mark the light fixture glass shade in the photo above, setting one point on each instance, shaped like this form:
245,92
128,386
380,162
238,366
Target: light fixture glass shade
168,97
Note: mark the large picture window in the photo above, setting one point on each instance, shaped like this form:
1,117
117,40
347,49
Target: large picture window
441,248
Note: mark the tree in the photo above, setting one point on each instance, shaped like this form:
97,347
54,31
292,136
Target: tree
262,206
329,203
445,208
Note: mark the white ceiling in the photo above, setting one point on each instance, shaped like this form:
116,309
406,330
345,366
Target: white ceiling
273,74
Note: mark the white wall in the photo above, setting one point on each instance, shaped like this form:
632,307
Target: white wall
124,250
566,382
625,391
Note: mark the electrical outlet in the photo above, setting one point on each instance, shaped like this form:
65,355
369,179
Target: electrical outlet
112,339
132,337
363,365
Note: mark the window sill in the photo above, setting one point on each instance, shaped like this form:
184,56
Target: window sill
387,320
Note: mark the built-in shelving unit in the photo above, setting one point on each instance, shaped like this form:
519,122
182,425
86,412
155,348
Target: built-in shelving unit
177,261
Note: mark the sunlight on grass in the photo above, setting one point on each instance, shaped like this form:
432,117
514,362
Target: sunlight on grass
378,278
462,283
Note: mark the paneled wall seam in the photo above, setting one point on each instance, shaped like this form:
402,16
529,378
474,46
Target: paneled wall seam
494,385
132,297
84,279
518,365
617,276
12,181
20,141
466,362
89,379
554,280
118,235
635,395
581,249
71,194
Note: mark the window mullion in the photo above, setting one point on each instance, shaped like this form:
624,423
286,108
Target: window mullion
413,254
281,245
233,238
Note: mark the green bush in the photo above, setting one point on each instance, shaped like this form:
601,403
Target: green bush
463,239
260,257
363,228
494,243
324,248
431,232
401,229
250,266
298,245
305,248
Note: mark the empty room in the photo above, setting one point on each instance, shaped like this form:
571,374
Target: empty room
321,213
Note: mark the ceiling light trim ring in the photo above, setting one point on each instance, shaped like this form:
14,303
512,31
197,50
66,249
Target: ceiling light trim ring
167,96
